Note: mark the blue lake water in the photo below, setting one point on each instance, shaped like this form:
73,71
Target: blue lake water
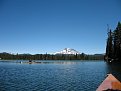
55,75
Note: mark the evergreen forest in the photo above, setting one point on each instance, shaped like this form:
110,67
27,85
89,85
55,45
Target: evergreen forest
113,47
8,56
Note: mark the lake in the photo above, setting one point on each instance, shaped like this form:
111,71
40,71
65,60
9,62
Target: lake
55,75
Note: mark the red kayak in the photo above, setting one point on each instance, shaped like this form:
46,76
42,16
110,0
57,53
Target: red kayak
110,84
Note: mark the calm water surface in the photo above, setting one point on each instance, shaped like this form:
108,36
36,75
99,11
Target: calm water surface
54,75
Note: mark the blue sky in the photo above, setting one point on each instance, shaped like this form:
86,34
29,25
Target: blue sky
40,26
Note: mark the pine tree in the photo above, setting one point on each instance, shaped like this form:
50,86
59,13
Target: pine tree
117,42
113,48
109,47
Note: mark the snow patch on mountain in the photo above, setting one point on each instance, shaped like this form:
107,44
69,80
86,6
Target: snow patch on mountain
68,51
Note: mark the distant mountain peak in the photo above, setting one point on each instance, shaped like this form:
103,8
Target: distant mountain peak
68,51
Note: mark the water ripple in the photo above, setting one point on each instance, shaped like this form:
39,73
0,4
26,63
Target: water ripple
79,76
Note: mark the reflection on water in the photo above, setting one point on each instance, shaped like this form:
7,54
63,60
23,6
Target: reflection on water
115,69
54,75
40,61
47,62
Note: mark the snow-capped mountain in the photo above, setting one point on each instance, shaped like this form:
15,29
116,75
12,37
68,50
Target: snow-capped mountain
68,51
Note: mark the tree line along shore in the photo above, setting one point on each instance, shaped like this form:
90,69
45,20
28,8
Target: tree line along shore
8,56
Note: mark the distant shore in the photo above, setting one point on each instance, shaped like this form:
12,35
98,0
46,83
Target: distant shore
8,56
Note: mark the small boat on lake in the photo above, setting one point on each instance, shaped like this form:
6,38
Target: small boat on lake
110,84
30,62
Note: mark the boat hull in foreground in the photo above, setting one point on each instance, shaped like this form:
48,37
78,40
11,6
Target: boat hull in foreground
110,84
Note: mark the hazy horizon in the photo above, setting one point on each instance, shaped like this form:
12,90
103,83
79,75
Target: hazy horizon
48,52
